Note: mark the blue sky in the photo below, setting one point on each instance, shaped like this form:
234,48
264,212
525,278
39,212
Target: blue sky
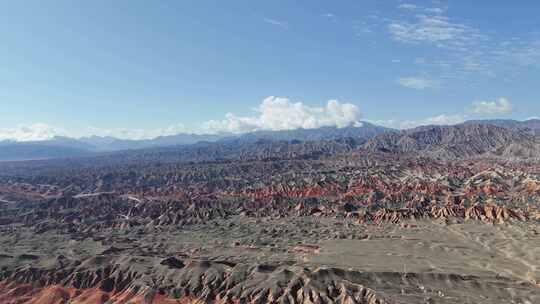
139,69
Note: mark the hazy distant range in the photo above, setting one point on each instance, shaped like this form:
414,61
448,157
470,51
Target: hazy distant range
65,147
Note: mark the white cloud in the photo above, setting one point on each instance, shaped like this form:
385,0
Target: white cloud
31,132
274,113
445,119
520,52
464,48
440,120
435,10
279,23
278,113
418,83
41,131
138,134
435,29
408,6
500,106
528,55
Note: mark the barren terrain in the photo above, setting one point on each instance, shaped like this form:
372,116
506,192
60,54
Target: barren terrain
322,222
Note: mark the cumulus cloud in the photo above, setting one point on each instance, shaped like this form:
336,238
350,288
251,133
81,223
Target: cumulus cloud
500,106
445,119
278,113
30,132
418,83
274,113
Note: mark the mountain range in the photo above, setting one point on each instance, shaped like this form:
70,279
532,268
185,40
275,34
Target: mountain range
466,139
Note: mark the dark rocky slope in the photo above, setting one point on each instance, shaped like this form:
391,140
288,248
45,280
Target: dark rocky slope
461,141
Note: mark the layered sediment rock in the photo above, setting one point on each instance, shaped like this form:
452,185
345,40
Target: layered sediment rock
188,282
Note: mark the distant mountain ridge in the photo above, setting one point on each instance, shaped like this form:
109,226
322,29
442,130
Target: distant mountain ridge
70,147
531,126
458,141
36,151
115,144
502,137
366,131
